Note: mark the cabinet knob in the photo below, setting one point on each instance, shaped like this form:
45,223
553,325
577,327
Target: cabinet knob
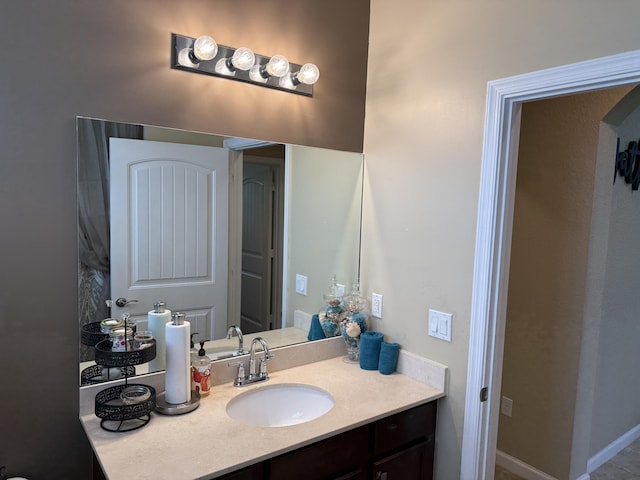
381,476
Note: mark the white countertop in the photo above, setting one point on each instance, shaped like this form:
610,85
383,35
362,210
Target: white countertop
207,443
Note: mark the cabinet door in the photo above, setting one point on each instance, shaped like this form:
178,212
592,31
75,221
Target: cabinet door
339,457
355,475
414,463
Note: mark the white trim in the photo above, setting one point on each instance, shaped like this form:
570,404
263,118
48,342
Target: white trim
236,143
520,468
285,228
611,450
493,237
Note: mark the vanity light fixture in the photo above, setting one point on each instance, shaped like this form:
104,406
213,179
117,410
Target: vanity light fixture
204,55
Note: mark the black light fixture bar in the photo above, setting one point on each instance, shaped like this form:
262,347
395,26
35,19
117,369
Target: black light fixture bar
207,67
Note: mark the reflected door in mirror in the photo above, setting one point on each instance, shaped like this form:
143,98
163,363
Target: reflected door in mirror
262,231
169,230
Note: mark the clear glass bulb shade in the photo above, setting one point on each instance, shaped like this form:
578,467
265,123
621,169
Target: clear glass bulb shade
243,58
278,66
205,48
255,74
184,58
308,74
222,68
287,82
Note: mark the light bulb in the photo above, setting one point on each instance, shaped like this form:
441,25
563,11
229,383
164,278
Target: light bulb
205,48
185,59
287,82
255,74
278,66
222,67
308,74
243,58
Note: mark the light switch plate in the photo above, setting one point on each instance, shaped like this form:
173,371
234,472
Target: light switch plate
440,325
301,284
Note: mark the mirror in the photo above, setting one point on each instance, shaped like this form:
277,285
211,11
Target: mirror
282,243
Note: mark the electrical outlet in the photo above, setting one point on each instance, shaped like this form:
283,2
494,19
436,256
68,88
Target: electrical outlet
301,284
376,305
506,407
340,290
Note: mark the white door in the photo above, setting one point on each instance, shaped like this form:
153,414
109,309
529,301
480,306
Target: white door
169,231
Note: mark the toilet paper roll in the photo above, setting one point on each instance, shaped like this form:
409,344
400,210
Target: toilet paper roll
178,373
156,323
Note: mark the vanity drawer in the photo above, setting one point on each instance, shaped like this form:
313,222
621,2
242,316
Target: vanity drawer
404,428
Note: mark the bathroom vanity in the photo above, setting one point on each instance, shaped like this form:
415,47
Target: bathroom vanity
400,446
380,426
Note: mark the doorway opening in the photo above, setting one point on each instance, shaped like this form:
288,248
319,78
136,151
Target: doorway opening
262,238
493,240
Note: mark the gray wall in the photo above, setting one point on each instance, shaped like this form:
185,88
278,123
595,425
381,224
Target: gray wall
110,59
616,389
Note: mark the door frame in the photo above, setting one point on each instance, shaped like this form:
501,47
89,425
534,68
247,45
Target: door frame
493,236
237,146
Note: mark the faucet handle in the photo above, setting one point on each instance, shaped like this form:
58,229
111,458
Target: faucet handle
241,376
263,367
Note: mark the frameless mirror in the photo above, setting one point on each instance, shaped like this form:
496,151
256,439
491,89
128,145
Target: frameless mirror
228,231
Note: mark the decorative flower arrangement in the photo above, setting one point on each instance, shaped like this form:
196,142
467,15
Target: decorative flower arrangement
354,322
331,316
347,318
352,329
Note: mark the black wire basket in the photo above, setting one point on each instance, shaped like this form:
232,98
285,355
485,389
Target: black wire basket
90,334
96,374
105,356
118,415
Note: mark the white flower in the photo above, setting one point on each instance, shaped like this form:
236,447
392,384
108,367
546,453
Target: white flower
353,329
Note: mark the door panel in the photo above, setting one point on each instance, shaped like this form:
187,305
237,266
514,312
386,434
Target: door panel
169,229
257,247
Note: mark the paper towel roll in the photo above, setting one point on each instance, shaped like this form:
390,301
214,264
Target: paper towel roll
157,322
178,372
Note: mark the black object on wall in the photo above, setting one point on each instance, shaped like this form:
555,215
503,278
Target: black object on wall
628,164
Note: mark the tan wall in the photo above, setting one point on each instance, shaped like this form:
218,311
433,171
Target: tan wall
548,275
110,59
429,64
324,215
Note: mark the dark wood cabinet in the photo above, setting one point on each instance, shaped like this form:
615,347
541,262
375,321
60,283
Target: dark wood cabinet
254,472
336,457
411,463
398,447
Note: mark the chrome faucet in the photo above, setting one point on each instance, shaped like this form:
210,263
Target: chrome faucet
253,377
235,328
263,362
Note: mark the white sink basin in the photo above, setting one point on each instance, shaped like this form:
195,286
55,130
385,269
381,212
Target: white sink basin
280,405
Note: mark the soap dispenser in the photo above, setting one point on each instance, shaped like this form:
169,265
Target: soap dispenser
193,356
193,351
202,372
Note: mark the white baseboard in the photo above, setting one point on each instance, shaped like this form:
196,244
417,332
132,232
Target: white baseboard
522,469
603,456
611,450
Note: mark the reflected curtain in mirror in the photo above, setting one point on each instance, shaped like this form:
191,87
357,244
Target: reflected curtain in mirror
93,217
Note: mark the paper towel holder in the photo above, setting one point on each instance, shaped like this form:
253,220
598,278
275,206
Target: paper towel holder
166,408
